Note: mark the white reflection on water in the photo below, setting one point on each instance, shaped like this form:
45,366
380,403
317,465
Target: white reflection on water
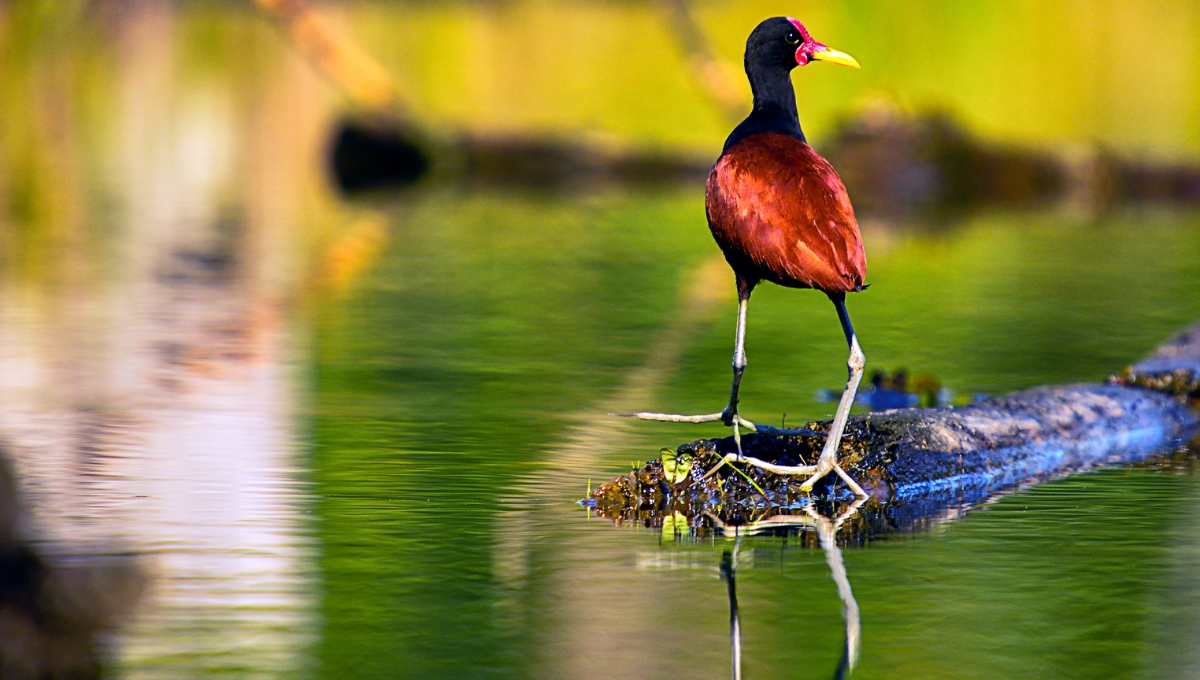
153,411
196,474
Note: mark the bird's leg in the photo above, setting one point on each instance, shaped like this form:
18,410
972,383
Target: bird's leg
729,416
828,461
739,360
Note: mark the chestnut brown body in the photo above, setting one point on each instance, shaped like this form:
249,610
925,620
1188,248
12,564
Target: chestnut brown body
780,213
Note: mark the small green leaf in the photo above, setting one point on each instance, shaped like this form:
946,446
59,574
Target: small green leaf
675,467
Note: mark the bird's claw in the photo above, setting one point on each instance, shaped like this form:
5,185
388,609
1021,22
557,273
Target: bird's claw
823,468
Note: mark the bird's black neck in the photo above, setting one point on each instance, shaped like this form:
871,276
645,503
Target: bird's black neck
774,107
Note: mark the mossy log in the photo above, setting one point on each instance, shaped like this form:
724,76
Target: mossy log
918,463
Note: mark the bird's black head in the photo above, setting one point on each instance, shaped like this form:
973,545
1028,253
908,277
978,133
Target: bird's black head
773,49
780,44
772,46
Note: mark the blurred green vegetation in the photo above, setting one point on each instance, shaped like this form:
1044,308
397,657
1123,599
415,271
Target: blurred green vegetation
78,77
1118,72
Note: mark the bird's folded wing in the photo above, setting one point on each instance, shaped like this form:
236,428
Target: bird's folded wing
775,202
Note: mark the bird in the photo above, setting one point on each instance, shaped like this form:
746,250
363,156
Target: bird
780,213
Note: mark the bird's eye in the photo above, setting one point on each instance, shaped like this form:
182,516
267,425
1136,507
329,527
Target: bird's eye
792,38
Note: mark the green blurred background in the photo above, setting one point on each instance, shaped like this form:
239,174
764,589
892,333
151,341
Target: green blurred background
345,433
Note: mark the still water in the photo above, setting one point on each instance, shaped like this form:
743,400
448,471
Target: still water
344,438
380,482
460,401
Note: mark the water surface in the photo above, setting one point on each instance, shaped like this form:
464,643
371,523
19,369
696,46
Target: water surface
447,453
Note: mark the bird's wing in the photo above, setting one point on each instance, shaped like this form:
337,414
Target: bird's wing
775,204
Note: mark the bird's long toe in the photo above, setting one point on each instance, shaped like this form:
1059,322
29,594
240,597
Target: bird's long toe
701,418
771,467
818,474
858,490
674,418
821,471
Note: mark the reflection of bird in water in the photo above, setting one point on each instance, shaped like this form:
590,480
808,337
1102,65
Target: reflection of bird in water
827,533
729,575
781,214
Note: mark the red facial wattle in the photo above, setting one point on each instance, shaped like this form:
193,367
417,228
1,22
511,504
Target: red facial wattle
810,50
807,44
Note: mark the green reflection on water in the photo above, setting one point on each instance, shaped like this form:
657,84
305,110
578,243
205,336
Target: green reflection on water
447,376
439,381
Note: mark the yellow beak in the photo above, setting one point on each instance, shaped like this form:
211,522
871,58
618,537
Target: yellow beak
834,57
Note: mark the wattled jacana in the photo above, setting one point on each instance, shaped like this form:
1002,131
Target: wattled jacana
780,213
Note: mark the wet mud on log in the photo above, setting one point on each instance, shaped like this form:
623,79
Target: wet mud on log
922,465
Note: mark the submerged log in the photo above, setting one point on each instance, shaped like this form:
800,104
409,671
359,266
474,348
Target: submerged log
920,463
